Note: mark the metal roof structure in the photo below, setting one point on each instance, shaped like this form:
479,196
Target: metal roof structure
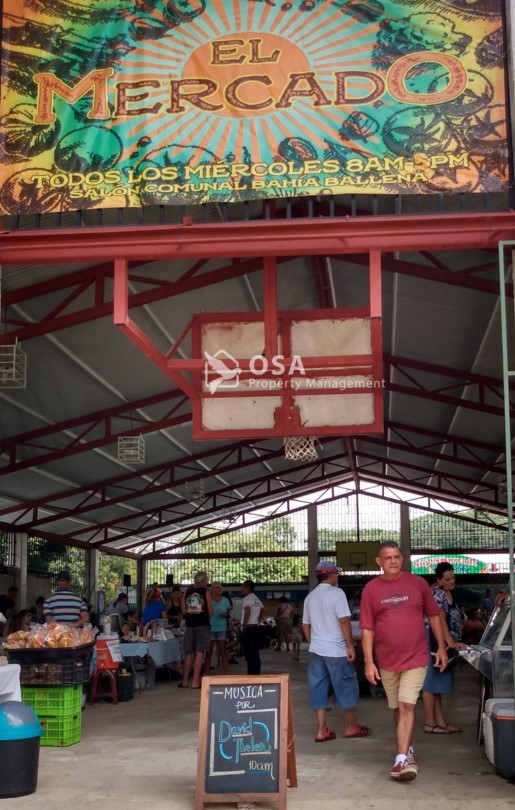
88,384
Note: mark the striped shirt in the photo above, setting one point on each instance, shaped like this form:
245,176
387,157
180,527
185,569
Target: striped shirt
64,606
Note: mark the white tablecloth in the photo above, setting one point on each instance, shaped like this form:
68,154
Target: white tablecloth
10,688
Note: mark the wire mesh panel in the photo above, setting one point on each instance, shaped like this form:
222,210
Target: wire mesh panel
45,557
431,531
6,549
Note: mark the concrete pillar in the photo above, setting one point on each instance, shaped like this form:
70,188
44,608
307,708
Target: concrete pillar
20,563
312,545
91,583
142,583
405,543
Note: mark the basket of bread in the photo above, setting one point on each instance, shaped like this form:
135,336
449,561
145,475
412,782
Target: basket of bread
49,642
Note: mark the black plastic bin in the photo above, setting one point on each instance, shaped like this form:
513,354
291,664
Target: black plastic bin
503,727
20,732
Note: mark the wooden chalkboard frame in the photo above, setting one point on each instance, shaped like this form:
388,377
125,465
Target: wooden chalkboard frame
287,766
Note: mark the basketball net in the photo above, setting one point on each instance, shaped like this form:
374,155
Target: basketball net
300,448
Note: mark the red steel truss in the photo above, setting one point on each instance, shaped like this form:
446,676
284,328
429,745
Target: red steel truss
364,459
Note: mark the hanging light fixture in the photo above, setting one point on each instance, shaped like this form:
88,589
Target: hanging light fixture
229,511
131,449
194,489
13,360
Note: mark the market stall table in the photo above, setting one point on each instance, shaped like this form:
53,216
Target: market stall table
10,688
159,653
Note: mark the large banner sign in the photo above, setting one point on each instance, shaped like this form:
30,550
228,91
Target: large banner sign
111,103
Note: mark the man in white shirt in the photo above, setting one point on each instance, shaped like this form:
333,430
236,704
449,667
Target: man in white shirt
327,628
253,612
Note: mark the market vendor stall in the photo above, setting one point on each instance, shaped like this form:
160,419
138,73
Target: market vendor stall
158,653
161,652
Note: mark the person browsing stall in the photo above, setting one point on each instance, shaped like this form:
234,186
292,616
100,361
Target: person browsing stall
219,621
253,613
393,607
174,607
283,621
197,609
437,683
155,609
63,605
327,628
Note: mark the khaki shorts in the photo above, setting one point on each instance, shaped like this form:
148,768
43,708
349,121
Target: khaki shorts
402,686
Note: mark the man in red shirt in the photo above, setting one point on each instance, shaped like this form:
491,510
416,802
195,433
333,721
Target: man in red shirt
393,607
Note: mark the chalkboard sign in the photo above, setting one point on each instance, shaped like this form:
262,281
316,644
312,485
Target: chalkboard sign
246,747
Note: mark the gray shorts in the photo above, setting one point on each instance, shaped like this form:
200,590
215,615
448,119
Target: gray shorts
197,639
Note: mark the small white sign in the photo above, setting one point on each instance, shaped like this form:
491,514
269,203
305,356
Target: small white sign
114,650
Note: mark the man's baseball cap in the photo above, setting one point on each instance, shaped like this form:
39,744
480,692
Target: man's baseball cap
63,576
327,567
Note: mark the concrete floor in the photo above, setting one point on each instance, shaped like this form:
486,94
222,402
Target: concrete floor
142,754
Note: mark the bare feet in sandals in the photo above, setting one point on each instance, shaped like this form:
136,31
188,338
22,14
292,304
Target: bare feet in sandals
447,729
359,731
326,736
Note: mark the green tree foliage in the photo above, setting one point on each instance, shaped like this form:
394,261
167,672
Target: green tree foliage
111,573
275,535
445,531
327,538
45,557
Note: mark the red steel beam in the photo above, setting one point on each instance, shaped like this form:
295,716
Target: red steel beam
169,514
487,391
164,476
264,237
438,274
103,309
162,290
423,473
99,423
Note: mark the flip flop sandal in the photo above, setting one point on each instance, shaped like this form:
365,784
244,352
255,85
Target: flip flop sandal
449,729
329,735
361,731
181,685
437,730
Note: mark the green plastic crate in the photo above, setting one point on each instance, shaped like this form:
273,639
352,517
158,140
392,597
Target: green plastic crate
61,731
52,701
